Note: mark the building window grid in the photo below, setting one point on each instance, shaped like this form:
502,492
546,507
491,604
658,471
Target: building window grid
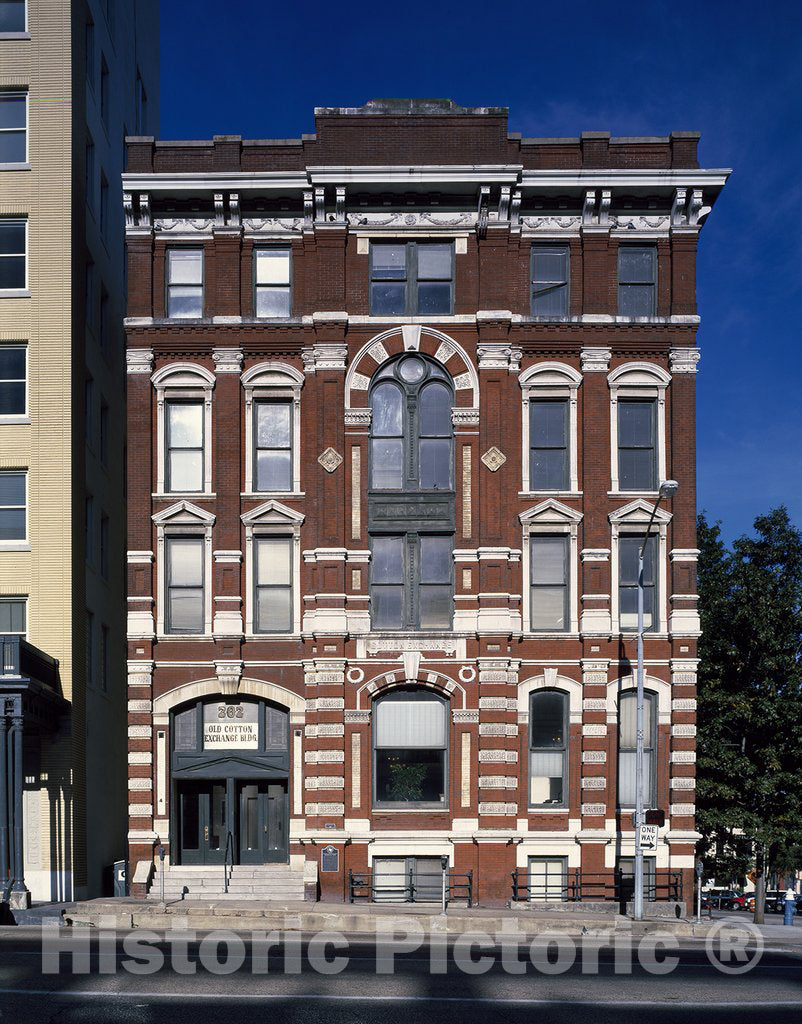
13,380
549,444
637,280
272,447
549,582
184,283
13,126
272,282
550,267
13,505
273,576
184,439
627,749
637,445
185,585
548,748
411,585
628,548
14,615
13,253
410,750
411,278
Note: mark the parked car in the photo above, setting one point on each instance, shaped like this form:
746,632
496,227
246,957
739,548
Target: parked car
719,899
740,901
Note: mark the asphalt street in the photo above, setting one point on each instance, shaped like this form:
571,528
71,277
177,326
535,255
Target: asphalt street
511,991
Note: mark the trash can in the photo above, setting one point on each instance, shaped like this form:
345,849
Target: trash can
120,878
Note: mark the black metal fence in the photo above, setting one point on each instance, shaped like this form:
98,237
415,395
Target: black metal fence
576,885
409,887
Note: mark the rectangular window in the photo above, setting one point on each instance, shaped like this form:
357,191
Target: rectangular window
104,204
103,658
272,449
273,584
627,750
13,126
407,879
89,529
89,412
549,583
412,278
13,615
13,379
89,298
548,878
550,280
13,248
184,442
12,15
548,441
184,284
548,748
272,282
637,280
410,740
104,90
411,581
13,506
90,648
104,547
89,44
628,547
104,433
637,450
89,173
626,867
105,326
185,580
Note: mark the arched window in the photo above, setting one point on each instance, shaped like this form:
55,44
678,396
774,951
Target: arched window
411,432
548,749
627,749
410,744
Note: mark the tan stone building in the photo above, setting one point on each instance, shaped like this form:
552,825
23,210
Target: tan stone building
75,79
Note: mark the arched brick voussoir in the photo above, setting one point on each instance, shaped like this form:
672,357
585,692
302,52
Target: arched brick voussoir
395,679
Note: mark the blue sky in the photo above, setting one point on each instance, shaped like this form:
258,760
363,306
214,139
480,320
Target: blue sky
728,68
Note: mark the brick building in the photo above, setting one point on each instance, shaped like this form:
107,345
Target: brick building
400,397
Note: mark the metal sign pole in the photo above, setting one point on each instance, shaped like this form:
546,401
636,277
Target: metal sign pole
639,746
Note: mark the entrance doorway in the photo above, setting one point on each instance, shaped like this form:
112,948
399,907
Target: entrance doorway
250,816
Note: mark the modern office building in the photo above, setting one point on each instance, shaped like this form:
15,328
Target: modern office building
401,394
75,79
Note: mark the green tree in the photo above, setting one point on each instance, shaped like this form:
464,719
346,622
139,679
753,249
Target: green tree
749,795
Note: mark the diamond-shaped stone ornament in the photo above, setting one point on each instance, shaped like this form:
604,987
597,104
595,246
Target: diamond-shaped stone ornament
329,460
494,459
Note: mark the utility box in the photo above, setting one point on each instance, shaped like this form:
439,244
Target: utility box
120,876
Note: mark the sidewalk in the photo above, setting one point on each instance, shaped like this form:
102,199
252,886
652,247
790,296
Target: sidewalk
366,919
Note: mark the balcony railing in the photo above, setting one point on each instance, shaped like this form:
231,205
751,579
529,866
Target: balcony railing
410,887
577,886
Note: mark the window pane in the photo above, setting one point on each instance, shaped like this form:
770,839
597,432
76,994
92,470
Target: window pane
386,464
435,464
273,471
12,399
410,721
636,424
636,300
272,266
434,298
548,560
185,561
434,262
185,424
387,561
185,729
386,404
12,272
386,605
12,237
12,363
12,15
636,469
550,266
435,606
549,424
628,548
635,265
549,469
13,148
548,608
389,262
185,612
185,302
12,488
410,776
272,302
546,778
185,266
273,424
273,610
12,524
435,410
273,560
548,719
387,299
550,300
185,471
626,779
435,559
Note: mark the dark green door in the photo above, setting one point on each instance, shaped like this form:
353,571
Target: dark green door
202,822
262,822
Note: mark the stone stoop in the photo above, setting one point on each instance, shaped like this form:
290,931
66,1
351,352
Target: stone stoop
266,882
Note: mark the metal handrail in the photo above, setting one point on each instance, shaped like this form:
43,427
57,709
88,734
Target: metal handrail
411,887
578,886
229,846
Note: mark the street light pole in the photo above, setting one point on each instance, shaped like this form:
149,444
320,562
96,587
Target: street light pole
668,488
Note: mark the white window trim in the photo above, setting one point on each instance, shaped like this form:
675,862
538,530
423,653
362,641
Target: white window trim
643,381
183,520
24,416
551,517
272,519
183,381
16,165
550,380
24,292
273,381
634,518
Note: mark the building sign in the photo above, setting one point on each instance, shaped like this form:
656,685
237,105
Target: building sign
330,859
231,725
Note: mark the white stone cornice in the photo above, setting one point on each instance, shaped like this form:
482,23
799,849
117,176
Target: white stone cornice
684,360
499,356
139,360
462,417
596,359
324,355
227,360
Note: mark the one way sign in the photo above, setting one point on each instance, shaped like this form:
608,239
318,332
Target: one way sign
647,837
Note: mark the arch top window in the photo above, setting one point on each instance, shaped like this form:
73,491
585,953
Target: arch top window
411,431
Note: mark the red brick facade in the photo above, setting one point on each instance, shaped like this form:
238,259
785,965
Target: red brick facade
455,176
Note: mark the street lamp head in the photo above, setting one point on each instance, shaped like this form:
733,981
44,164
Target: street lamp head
668,488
